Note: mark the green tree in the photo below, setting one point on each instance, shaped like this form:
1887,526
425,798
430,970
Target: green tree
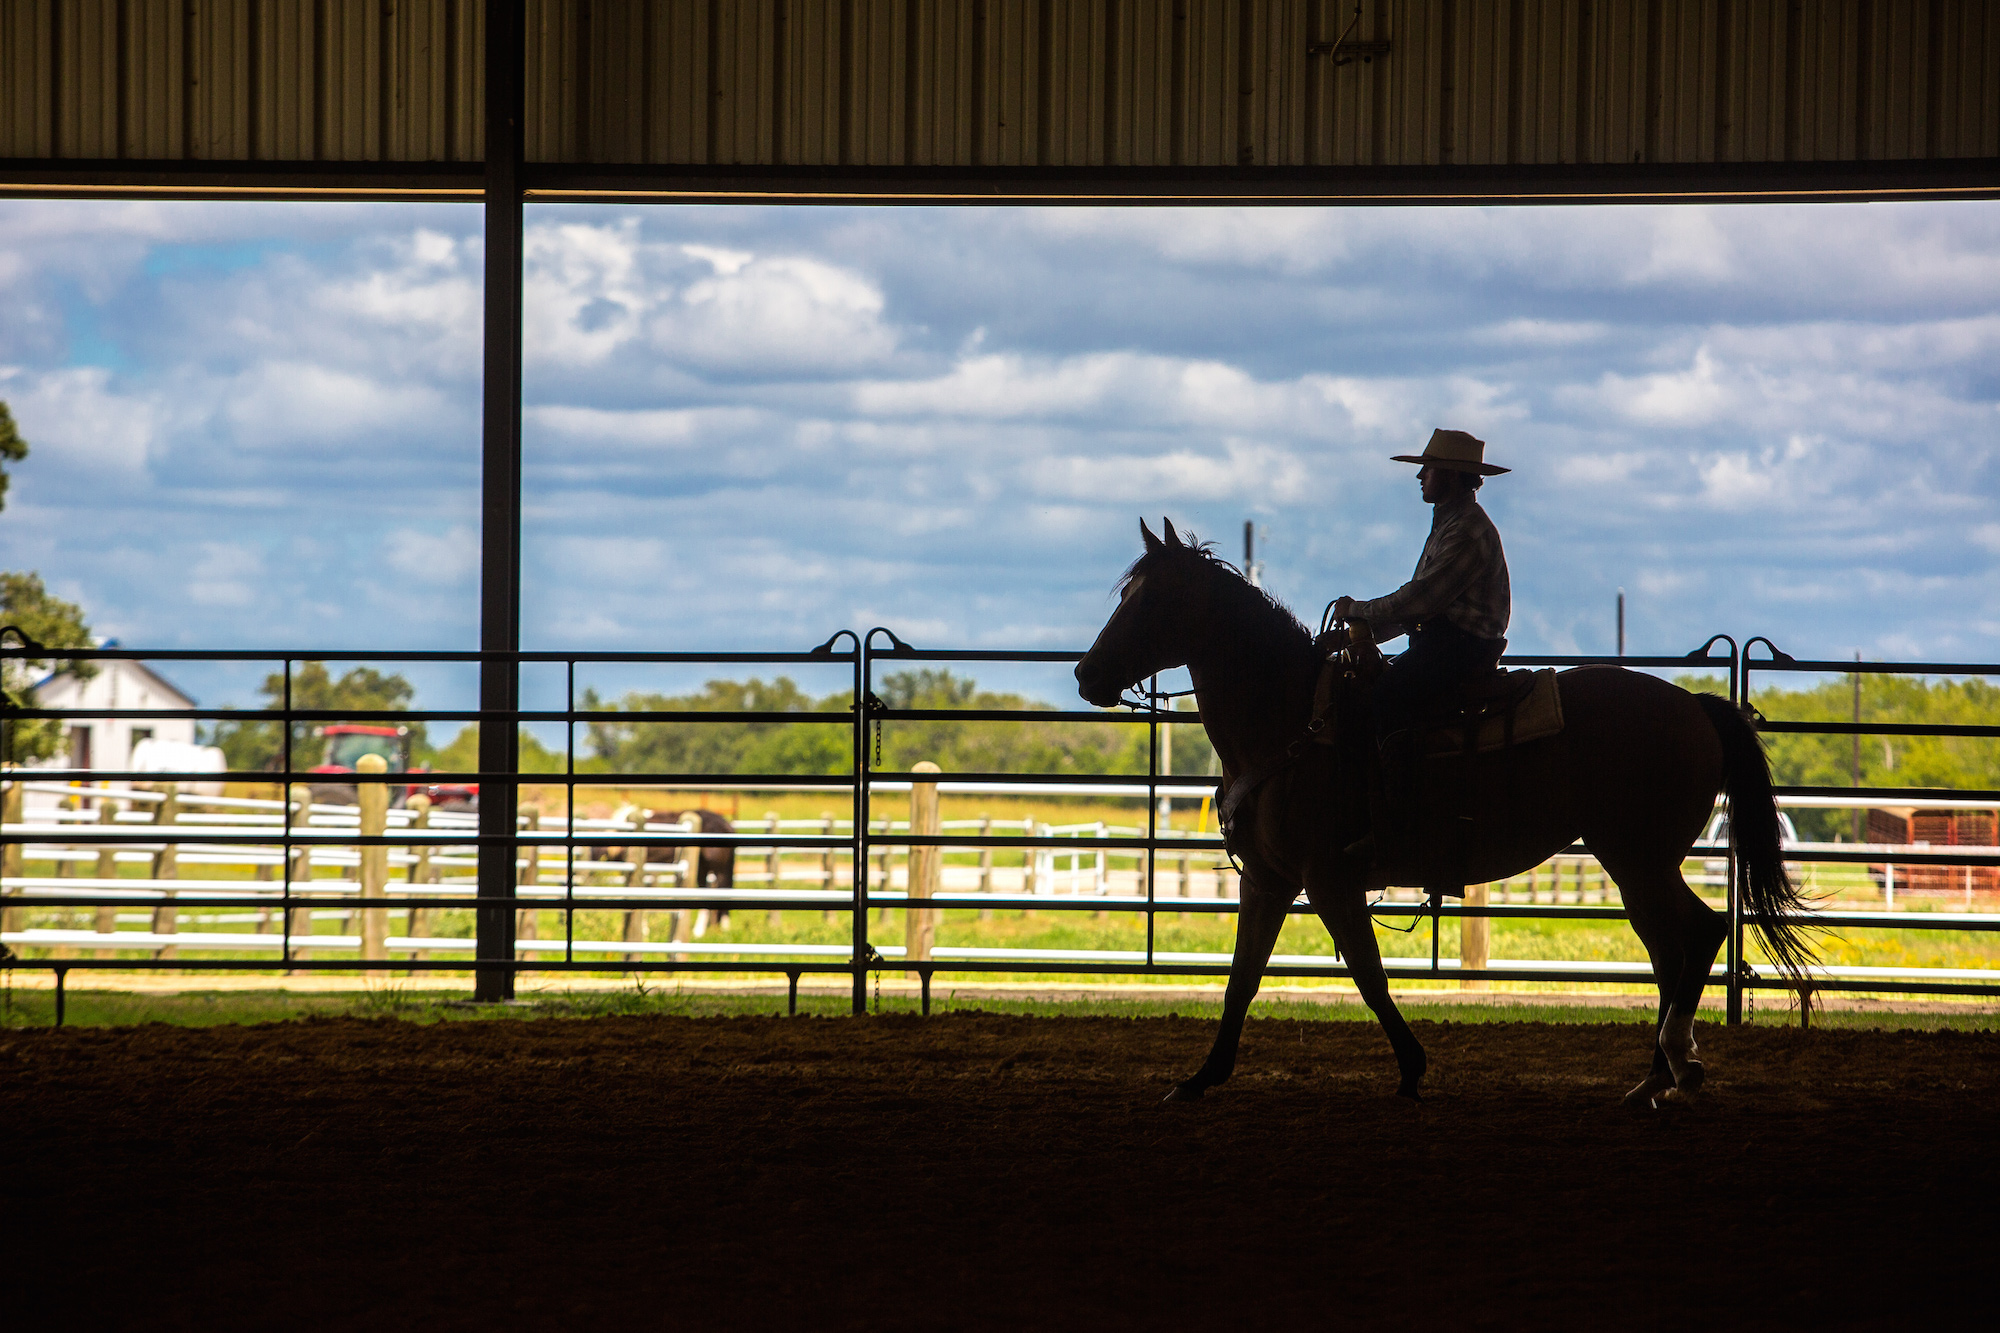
641,746
250,744
1806,760
51,622
1027,746
13,449
461,755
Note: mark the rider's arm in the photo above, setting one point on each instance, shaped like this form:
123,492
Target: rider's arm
1450,563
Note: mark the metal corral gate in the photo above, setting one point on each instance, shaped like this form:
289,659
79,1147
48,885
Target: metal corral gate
497,953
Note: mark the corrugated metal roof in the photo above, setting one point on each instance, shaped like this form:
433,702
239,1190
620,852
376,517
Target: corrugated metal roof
1022,85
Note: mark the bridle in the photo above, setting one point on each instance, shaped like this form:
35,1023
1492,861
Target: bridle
1148,700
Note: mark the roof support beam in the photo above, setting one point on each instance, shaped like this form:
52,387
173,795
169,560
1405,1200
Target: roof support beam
500,509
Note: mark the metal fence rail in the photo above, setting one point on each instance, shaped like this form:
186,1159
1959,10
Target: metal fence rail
287,835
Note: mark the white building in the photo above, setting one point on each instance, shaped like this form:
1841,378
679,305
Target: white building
107,742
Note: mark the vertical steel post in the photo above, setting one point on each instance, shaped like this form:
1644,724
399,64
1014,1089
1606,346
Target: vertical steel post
1153,737
285,802
500,509
1739,694
863,688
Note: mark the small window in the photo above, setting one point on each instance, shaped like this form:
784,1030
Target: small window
141,734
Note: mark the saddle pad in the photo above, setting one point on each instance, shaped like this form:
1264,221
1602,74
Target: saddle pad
1537,716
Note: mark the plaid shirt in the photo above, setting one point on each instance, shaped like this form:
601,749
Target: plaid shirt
1461,576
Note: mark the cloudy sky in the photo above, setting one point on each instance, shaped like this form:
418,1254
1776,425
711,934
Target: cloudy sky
257,425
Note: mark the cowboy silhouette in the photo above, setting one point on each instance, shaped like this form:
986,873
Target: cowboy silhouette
1454,609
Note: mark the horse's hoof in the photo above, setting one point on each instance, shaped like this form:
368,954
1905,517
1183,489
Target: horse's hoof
1184,1092
1691,1077
1645,1096
1408,1088
1678,1099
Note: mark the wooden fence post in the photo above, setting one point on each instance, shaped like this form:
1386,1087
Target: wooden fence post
420,875
530,818
372,800
107,868
884,858
166,865
826,862
1030,856
301,925
1100,872
684,919
771,864
985,864
926,868
1474,935
13,809
635,878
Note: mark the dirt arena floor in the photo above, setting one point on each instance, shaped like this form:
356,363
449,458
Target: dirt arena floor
972,1171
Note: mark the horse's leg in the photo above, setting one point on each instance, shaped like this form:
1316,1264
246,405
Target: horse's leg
1647,911
1702,932
1258,921
1682,935
1344,908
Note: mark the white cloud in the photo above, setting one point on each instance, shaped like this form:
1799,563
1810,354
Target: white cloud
668,427
726,263
1245,470
1687,246
1543,333
776,314
225,576
445,558
583,295
747,426
74,418
279,402
1292,240
1690,397
1597,469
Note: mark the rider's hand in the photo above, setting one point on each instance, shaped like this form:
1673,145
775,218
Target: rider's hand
1343,608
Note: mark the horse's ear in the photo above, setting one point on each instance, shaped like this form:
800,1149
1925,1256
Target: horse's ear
1173,538
1152,542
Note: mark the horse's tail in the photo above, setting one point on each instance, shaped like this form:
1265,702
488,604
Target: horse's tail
1768,892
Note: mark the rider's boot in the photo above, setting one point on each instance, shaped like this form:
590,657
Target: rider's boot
1393,839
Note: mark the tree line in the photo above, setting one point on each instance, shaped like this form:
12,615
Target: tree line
778,747
1965,763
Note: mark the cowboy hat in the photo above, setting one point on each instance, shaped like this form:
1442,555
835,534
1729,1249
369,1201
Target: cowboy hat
1455,450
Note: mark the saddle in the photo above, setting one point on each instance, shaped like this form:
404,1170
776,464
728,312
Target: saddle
1495,712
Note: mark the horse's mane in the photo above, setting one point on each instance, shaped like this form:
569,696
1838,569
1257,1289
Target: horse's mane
1266,626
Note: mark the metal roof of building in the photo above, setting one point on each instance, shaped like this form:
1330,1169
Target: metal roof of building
1013,99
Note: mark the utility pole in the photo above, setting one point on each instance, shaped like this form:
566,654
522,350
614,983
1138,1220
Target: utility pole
1621,622
1250,569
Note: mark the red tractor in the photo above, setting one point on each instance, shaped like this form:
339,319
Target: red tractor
347,742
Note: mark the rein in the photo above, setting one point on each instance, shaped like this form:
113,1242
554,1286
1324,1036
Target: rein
1229,801
1146,702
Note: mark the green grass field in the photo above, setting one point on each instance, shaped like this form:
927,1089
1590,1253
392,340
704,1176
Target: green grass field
1579,941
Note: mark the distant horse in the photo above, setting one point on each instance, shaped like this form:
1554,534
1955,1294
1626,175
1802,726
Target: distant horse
1634,772
708,867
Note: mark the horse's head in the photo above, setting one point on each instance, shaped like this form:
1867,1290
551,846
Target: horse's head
1151,631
